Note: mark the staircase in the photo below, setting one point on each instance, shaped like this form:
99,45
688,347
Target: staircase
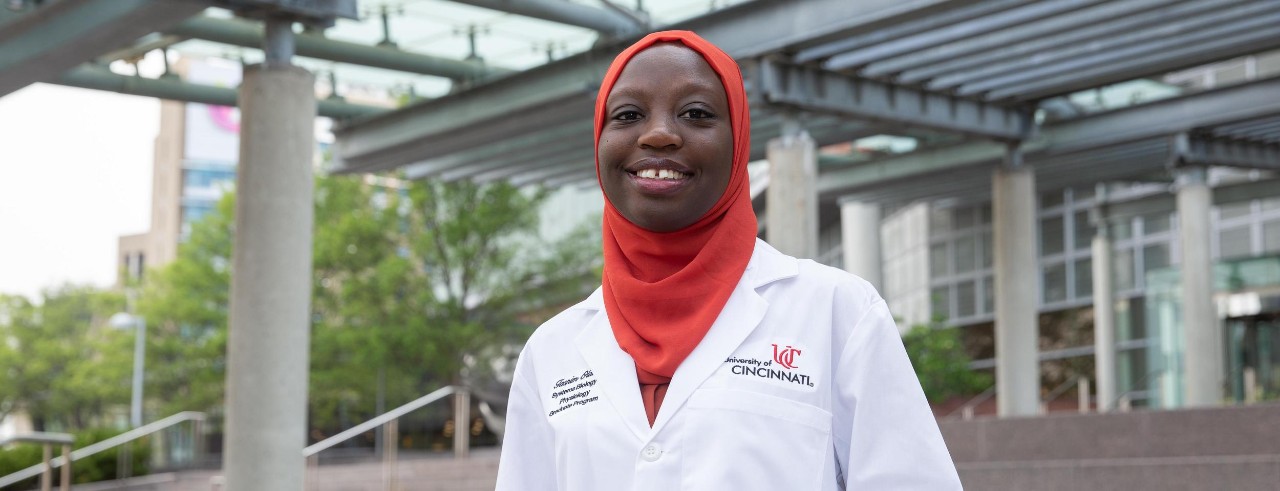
479,472
1195,449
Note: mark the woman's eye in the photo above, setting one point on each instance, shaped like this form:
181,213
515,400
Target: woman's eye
696,113
627,116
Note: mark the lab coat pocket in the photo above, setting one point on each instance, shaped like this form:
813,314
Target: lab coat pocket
744,440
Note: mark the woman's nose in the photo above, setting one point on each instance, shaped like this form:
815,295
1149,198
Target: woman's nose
661,133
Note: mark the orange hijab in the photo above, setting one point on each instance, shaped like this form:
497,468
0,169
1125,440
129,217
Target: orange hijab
662,291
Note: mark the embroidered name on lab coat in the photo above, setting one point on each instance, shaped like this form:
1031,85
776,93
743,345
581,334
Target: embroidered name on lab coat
784,366
573,391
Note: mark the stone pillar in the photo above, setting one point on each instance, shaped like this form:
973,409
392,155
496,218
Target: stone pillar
270,303
1202,334
860,236
1104,306
1017,288
792,214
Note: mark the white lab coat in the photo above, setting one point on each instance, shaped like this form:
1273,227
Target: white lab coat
835,402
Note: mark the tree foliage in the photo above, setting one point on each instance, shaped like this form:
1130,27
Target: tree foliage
940,361
411,282
63,364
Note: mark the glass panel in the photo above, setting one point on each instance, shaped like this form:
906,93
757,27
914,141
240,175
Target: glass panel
1051,199
1080,195
1122,260
966,299
1271,204
940,302
1084,278
1235,242
965,218
966,254
938,261
1271,237
939,221
1051,236
988,295
1156,223
984,213
1083,230
1155,256
1234,210
1055,283
1123,230
987,247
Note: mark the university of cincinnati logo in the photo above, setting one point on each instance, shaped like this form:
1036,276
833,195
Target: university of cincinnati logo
786,357
781,368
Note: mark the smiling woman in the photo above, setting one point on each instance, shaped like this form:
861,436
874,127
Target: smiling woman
708,360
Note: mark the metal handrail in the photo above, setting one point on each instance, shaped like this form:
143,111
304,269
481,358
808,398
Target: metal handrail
1075,381
1123,399
377,421
109,443
966,410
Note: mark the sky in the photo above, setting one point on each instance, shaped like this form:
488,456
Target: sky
75,174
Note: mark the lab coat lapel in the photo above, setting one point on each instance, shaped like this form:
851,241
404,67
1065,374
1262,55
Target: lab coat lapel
615,372
739,318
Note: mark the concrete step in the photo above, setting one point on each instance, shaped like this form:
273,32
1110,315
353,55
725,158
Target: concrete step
1235,473
479,472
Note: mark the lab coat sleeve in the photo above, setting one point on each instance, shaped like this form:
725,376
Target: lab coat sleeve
528,447
886,436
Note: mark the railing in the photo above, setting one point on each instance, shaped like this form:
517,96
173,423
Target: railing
966,411
390,438
196,418
1124,401
1083,394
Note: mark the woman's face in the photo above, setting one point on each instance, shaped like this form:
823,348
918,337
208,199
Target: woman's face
666,148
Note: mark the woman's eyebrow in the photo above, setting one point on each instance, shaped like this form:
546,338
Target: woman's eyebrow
687,87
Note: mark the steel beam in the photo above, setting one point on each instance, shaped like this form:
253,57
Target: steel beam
1173,57
1232,153
1159,119
514,148
891,33
814,89
606,21
1129,50
40,45
250,35
99,78
747,30
1136,41
1029,13
1021,41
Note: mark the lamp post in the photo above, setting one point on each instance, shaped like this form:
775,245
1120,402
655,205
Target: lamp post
124,320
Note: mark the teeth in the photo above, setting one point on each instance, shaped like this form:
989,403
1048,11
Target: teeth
660,174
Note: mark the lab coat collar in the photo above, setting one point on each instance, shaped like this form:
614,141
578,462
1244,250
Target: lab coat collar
616,371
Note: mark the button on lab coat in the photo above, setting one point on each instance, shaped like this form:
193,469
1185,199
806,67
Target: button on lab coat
802,383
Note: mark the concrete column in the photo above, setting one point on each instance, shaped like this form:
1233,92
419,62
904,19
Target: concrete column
1202,337
792,215
860,236
270,306
1104,307
1017,288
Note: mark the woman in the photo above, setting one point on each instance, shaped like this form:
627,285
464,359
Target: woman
708,360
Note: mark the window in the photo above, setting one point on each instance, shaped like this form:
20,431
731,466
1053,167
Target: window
1271,237
1235,242
966,299
938,264
1083,230
1055,283
1155,256
1051,236
1235,210
966,254
1156,223
940,302
1084,278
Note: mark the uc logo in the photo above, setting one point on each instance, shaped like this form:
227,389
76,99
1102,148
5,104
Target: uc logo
785,356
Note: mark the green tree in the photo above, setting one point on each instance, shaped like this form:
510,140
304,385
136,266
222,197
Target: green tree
940,361
64,365
410,281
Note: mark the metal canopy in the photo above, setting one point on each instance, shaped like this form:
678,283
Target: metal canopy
59,36
972,68
1116,145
